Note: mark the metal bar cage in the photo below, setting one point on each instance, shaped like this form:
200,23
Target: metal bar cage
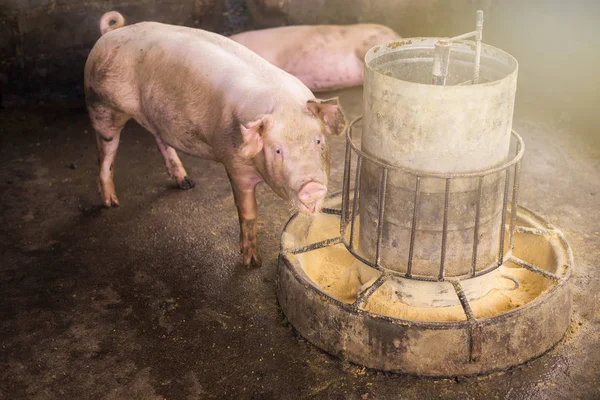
351,200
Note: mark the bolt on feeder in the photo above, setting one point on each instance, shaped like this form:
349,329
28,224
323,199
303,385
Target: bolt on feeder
425,263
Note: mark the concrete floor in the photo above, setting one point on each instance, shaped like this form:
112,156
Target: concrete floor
149,301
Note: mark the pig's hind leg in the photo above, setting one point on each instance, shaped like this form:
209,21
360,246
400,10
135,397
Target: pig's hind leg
108,124
174,165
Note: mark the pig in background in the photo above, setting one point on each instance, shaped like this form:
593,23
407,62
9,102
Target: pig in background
323,57
208,96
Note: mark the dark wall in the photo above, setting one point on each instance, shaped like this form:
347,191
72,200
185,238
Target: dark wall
44,43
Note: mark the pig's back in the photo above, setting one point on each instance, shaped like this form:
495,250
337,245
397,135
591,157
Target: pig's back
186,66
279,45
323,57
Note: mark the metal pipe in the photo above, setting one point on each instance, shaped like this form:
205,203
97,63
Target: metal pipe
478,39
441,60
463,36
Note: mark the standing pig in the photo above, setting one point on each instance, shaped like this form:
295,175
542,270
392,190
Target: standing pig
204,94
323,57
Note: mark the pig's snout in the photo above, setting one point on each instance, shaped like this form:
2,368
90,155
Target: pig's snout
311,197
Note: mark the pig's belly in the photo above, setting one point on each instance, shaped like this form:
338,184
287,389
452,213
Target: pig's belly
185,138
321,74
190,145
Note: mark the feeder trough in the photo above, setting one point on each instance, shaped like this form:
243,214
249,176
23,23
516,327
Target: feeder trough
424,263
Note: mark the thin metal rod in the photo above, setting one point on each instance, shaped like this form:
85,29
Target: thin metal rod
334,211
313,246
478,39
346,189
514,205
413,228
444,230
514,280
355,199
476,227
364,296
382,189
536,269
492,267
504,207
463,300
463,36
475,340
534,231
474,328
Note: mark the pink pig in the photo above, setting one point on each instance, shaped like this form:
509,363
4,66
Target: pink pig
208,96
323,57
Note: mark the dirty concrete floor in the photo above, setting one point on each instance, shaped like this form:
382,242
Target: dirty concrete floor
149,301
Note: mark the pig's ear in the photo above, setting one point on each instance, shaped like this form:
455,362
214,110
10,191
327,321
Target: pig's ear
252,135
330,113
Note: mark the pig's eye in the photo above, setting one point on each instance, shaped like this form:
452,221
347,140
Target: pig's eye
278,151
318,141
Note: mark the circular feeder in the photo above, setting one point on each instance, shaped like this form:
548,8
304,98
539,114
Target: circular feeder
428,266
437,329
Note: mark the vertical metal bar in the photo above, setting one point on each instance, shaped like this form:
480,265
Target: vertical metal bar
444,230
476,227
475,338
355,200
478,39
414,226
515,202
346,189
475,333
382,189
504,207
441,60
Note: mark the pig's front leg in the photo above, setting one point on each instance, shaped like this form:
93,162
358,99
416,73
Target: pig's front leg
245,201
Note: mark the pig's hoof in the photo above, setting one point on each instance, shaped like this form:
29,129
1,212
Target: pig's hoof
186,183
252,261
111,201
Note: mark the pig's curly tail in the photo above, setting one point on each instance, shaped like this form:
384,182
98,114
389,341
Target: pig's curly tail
111,21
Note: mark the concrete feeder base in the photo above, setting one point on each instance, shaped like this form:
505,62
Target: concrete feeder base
438,329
